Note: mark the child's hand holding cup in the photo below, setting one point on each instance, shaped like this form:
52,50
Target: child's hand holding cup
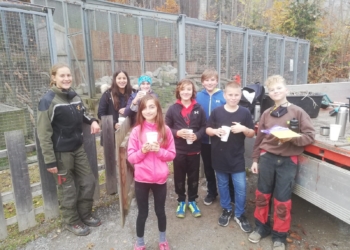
227,129
189,135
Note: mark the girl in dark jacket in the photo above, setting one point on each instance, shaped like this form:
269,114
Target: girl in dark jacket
186,119
113,101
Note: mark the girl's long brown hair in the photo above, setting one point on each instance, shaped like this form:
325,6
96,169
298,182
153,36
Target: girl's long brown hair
159,120
116,91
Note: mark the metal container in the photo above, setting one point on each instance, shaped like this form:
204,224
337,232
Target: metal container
324,130
341,119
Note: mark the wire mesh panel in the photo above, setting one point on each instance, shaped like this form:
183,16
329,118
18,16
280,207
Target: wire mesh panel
25,64
232,54
274,60
289,62
200,49
159,43
302,61
255,66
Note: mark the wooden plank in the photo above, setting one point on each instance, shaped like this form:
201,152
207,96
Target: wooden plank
29,148
3,227
109,154
126,181
48,185
89,141
13,220
35,189
20,179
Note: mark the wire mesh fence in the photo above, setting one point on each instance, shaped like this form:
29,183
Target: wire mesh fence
24,75
97,38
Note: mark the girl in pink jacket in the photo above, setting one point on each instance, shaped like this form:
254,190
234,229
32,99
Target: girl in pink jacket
151,146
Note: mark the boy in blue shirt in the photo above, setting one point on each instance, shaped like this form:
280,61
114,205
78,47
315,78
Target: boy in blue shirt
210,98
229,155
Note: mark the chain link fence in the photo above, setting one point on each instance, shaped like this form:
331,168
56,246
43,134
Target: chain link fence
97,38
25,61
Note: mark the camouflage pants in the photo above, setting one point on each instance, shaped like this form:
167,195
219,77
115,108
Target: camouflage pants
76,185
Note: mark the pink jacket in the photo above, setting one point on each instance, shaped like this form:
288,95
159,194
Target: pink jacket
151,167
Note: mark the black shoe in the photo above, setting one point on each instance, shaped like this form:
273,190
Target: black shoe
92,222
209,200
225,218
243,223
78,229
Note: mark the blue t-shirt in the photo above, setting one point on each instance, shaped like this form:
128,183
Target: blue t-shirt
228,157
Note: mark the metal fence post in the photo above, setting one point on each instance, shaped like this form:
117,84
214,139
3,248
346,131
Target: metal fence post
228,42
51,36
283,51
295,63
88,53
266,56
181,24
306,68
111,40
218,51
142,54
66,26
245,56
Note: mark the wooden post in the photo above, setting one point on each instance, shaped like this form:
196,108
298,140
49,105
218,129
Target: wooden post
3,226
48,185
90,149
109,154
20,179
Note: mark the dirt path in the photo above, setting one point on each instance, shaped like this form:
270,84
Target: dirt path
317,229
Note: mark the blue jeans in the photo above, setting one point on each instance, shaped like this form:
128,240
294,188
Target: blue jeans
239,184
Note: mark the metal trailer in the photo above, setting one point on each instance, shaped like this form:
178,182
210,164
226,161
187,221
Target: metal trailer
323,176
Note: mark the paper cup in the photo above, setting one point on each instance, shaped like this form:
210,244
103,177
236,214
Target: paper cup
121,120
143,92
227,133
152,137
189,131
334,132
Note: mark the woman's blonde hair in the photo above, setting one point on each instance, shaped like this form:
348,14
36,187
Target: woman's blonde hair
54,69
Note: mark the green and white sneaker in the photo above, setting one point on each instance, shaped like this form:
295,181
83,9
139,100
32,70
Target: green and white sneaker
194,209
181,209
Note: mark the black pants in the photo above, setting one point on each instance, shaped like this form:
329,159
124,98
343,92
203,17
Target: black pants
186,165
210,173
276,174
159,194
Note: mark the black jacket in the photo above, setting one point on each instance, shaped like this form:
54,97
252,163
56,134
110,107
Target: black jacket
175,121
61,114
106,106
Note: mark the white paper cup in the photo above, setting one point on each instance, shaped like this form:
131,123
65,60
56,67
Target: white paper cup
189,131
121,120
334,132
227,133
152,137
143,92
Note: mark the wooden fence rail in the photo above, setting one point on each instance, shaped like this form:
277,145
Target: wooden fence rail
119,173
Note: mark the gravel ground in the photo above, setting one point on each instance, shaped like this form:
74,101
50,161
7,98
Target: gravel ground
312,228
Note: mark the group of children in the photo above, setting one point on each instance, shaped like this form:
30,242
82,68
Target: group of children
197,124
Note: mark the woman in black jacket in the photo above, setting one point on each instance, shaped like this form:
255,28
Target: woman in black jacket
186,119
114,100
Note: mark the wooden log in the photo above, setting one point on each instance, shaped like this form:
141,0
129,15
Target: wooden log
3,227
20,179
90,149
125,180
48,185
109,154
